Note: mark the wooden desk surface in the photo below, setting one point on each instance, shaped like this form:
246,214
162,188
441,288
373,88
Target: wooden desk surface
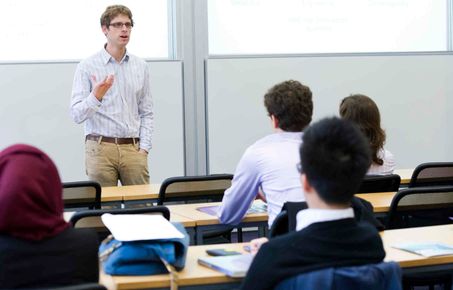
405,175
195,274
133,192
442,234
110,195
203,219
380,200
185,221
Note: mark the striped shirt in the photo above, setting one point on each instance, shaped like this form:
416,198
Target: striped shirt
126,110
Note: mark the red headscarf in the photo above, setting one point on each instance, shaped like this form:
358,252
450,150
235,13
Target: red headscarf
31,203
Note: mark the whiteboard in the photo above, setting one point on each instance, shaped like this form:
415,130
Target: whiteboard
35,110
414,94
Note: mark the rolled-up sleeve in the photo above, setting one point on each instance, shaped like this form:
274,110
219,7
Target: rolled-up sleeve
83,103
244,187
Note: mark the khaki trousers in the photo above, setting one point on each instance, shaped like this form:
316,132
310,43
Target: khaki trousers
107,163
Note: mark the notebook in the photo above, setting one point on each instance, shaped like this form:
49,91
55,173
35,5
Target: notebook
428,249
233,266
258,206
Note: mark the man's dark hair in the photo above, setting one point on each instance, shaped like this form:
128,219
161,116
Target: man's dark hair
335,156
291,103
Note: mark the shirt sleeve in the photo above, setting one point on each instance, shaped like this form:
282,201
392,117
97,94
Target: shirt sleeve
145,110
244,187
83,103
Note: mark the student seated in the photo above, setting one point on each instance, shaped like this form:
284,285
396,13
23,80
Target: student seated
38,249
268,167
364,112
334,159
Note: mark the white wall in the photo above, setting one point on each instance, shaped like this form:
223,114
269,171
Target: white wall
414,94
35,110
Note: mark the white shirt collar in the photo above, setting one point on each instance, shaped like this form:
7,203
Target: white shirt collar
310,216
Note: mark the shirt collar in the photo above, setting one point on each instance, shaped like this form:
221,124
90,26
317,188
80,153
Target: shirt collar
314,215
106,57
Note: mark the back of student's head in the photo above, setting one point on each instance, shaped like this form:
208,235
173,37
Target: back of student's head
364,112
334,157
291,103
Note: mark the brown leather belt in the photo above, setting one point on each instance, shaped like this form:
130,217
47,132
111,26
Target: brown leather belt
114,140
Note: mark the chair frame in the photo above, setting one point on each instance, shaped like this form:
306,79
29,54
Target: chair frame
415,181
180,179
379,182
144,210
393,210
96,204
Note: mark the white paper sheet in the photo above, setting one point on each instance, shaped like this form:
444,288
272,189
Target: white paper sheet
135,227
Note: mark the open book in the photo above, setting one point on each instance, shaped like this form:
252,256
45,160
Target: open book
427,249
258,206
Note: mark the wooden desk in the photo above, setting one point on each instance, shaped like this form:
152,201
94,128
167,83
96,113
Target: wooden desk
380,200
195,274
133,192
405,175
205,222
413,262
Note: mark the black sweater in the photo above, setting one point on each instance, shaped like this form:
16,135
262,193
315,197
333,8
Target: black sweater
321,245
66,259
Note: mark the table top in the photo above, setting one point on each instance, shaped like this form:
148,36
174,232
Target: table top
380,200
195,274
191,211
151,191
405,175
133,192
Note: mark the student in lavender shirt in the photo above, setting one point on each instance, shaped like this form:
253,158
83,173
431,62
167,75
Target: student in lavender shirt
268,167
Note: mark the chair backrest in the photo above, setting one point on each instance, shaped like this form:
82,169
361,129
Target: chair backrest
380,183
280,225
286,220
92,218
421,206
381,276
194,188
432,174
82,194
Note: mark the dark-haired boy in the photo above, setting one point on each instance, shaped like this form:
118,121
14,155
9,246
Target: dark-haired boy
268,166
334,159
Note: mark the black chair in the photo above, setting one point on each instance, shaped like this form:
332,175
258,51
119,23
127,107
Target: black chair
203,188
280,225
85,286
194,188
380,183
82,194
92,218
286,220
421,206
432,174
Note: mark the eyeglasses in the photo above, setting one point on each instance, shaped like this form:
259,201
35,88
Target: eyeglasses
299,167
119,25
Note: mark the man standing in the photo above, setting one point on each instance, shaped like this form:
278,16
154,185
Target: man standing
268,167
111,94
